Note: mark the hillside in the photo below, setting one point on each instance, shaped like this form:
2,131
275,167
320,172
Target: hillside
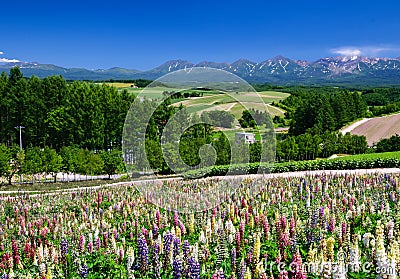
376,129
236,104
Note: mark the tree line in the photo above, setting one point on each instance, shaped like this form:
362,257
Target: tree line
56,113
34,161
310,146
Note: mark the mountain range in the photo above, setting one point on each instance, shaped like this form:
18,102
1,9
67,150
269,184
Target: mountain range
341,70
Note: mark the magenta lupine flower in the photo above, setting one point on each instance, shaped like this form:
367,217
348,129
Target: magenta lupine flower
344,230
256,220
176,219
158,217
238,241
182,227
121,254
15,250
145,232
283,275
90,247
241,230
243,203
297,267
331,225
82,242
98,244
292,227
283,222
265,227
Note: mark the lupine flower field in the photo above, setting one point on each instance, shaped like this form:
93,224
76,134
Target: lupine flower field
313,226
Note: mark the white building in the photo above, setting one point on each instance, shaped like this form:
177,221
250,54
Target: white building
246,137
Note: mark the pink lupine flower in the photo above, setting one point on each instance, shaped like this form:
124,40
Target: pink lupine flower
98,244
297,267
82,242
176,219
90,247
265,227
292,227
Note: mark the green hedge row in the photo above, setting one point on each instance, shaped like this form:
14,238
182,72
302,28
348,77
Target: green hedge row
335,164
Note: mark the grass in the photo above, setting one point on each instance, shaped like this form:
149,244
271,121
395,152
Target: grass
50,186
120,84
236,103
372,156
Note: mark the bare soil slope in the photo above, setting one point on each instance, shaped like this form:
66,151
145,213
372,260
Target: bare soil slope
378,128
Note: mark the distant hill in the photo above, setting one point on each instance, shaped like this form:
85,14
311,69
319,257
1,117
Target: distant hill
342,70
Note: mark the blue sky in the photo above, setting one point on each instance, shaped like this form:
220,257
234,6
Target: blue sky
144,34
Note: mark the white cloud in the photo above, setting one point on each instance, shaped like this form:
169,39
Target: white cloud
347,51
1,52
5,60
363,51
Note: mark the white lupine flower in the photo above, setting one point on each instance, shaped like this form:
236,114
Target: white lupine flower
202,238
381,259
354,257
390,227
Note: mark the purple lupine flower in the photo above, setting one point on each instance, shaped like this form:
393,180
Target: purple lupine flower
155,231
233,259
156,260
4,276
177,247
177,268
143,254
186,248
64,247
241,270
194,268
83,271
167,248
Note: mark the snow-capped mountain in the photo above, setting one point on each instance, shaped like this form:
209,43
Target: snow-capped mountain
277,70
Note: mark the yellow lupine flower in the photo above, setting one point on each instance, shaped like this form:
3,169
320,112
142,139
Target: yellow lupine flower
329,247
256,249
247,275
191,224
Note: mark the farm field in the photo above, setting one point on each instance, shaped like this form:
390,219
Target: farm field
237,103
384,155
378,128
291,225
214,100
120,85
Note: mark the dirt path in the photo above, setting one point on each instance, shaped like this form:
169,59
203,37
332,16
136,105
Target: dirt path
271,175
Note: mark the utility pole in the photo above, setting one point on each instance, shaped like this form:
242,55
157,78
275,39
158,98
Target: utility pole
20,144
